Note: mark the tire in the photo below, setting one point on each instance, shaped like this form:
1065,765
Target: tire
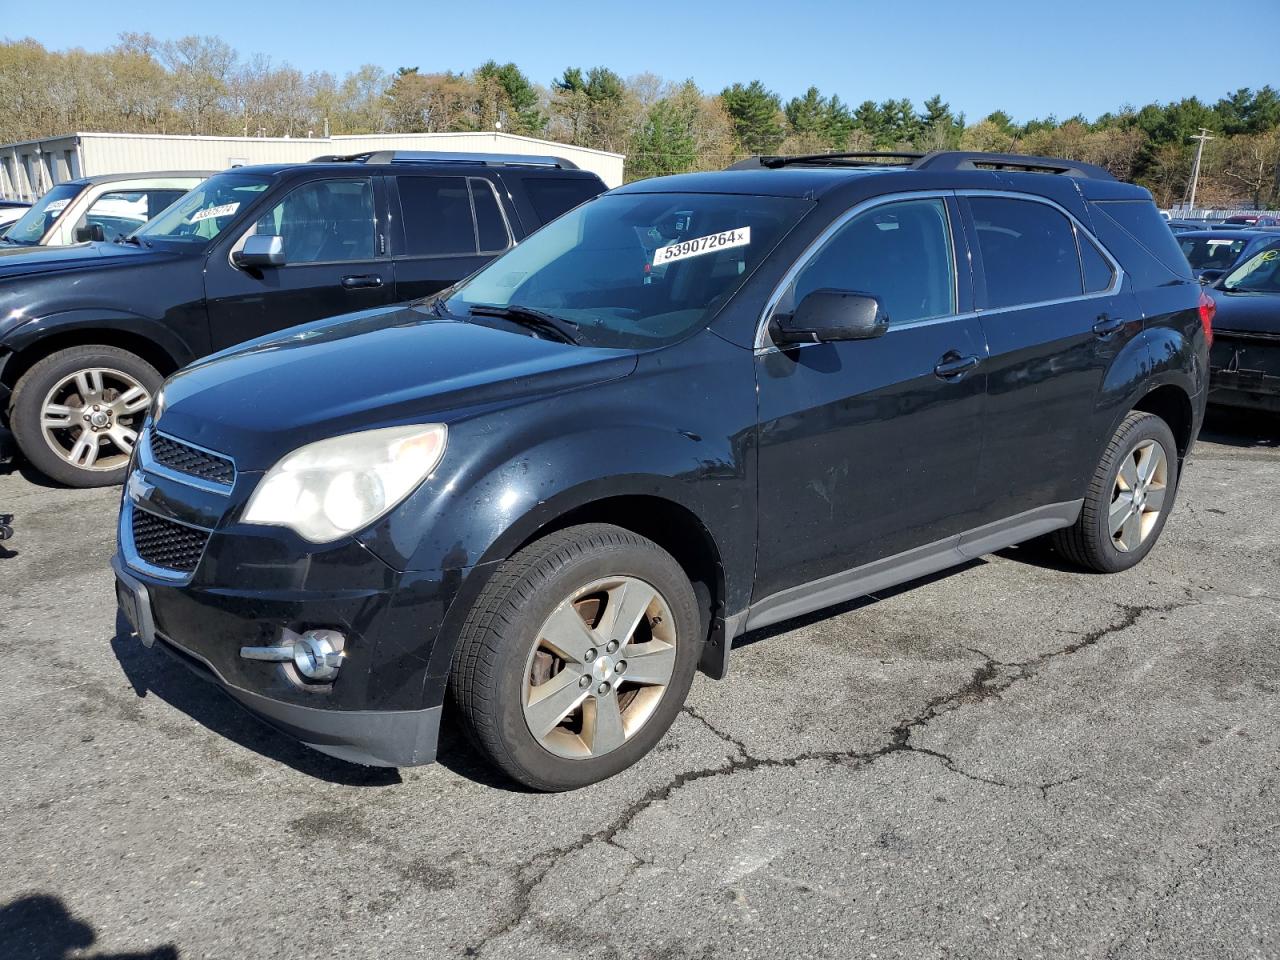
1090,542
76,455
503,656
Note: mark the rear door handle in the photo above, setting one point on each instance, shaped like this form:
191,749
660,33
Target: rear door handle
953,366
1107,325
367,280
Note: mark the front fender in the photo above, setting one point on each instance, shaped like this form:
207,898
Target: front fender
29,332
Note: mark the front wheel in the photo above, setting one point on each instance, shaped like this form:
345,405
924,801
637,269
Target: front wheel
1129,498
577,656
76,413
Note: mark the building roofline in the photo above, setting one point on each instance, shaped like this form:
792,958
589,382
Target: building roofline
340,138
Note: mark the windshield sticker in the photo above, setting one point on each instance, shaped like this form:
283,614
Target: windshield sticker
209,212
56,205
700,245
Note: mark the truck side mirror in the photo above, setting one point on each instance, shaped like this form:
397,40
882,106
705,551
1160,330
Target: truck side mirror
261,251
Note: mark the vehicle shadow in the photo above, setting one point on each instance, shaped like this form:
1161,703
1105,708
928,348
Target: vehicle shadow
1236,427
152,672
40,927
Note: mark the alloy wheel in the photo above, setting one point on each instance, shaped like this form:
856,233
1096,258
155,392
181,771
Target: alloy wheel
1138,497
599,666
90,417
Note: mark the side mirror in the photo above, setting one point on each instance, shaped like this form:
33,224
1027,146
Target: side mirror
261,251
830,315
90,232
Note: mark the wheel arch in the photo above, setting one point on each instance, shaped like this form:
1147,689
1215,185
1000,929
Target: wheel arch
153,343
672,525
1172,404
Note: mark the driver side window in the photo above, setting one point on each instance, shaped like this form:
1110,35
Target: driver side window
324,222
898,252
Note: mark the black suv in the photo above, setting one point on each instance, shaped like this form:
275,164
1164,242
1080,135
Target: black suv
694,406
88,332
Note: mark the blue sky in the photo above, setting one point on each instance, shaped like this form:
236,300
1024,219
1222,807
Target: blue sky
1025,57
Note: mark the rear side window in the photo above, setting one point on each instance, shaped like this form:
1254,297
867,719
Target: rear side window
1142,221
437,216
451,216
1028,251
552,197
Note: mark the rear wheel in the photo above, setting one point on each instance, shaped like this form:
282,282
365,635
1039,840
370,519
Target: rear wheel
1129,498
577,656
76,413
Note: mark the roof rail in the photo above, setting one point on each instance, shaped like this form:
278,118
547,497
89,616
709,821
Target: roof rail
864,158
422,156
976,160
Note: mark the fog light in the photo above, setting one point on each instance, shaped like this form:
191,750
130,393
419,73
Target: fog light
318,654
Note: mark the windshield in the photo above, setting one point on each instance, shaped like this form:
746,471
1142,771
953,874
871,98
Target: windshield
35,223
1260,274
206,211
1215,254
636,270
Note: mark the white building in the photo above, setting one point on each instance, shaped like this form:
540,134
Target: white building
30,168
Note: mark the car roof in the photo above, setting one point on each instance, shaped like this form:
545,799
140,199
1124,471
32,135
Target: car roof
462,167
815,176
143,175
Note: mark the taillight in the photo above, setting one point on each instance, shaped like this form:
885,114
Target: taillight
1207,309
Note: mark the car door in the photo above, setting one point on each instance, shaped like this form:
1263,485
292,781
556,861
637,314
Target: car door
869,448
1055,315
448,228
334,262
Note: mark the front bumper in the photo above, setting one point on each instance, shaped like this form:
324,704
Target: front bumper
1244,370
205,633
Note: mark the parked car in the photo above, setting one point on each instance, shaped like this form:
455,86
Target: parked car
96,208
1245,361
10,212
1212,253
693,406
1183,226
87,333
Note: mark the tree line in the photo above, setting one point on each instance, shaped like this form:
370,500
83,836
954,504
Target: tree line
201,85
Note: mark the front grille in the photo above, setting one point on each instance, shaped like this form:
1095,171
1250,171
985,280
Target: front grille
163,543
177,455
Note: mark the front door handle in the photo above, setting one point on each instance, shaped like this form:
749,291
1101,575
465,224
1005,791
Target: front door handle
357,283
953,366
1107,325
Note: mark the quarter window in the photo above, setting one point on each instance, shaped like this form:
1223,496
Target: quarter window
1028,251
324,222
1098,273
899,252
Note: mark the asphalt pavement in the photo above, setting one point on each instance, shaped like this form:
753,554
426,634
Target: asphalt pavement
1014,759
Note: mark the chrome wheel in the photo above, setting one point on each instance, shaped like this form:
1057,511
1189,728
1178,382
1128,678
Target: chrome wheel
598,668
90,418
1139,494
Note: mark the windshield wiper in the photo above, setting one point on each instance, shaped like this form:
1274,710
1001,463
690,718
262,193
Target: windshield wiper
565,330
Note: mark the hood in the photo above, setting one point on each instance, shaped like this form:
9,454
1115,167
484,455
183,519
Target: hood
379,368
18,261
1246,312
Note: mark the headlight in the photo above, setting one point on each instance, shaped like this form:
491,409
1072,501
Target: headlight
330,488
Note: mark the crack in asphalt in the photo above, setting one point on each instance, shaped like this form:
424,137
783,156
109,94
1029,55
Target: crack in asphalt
989,680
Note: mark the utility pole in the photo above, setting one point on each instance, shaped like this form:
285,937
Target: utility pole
1201,139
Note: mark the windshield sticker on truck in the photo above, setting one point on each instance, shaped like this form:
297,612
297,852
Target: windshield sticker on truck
56,205
210,212
700,245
